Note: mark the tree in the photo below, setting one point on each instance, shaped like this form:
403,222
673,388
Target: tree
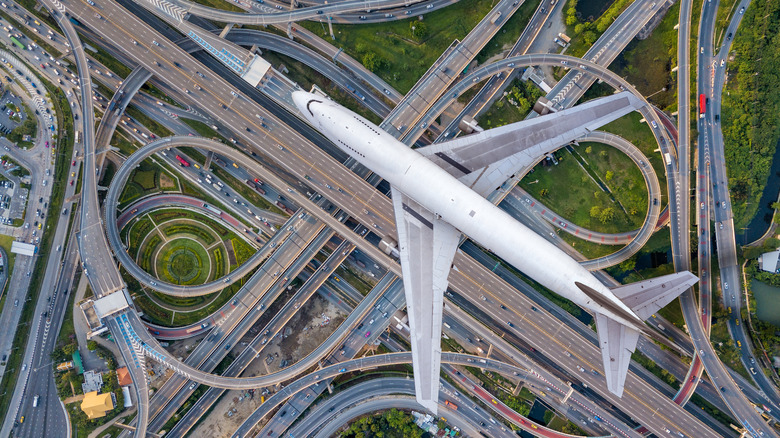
92,345
418,29
607,215
589,37
588,150
628,265
543,193
70,349
609,175
371,61
595,211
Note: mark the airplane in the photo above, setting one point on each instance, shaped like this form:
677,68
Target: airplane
438,192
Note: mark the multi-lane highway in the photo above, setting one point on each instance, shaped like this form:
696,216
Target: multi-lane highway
294,153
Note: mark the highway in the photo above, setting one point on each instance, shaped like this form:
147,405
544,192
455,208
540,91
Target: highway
344,179
711,79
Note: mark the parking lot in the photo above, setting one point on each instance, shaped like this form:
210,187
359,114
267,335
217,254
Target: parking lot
12,195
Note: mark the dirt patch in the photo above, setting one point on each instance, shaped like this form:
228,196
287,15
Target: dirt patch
307,330
166,182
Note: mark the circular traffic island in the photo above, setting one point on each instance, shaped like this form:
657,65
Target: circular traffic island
183,261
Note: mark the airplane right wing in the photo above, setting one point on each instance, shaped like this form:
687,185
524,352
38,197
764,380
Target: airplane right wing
484,161
617,342
427,246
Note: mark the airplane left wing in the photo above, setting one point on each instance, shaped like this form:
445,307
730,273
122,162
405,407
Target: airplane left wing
427,246
484,161
617,342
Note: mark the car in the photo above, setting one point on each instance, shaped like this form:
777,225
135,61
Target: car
362,17
729,36
193,385
722,62
368,333
73,163
155,43
725,285
702,205
702,50
742,10
701,353
562,224
510,324
653,124
227,347
71,182
503,307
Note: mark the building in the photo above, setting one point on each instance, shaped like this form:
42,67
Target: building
93,381
22,248
768,261
123,376
96,405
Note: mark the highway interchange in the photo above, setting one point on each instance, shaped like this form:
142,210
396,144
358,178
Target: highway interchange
297,149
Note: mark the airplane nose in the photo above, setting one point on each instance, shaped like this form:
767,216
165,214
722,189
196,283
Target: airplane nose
300,98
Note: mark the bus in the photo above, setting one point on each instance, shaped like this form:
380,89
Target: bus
183,161
17,43
702,105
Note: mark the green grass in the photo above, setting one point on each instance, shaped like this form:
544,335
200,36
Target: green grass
145,180
306,77
572,194
244,190
106,59
640,135
5,242
647,64
220,4
626,182
158,129
203,130
183,261
510,31
157,315
190,229
726,10
125,146
591,250
404,59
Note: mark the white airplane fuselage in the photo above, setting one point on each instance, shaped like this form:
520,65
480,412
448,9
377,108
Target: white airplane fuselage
422,180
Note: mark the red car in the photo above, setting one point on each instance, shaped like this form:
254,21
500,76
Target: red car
368,334
73,163
71,181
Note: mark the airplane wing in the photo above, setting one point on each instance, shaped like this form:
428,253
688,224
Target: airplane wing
484,161
427,246
617,342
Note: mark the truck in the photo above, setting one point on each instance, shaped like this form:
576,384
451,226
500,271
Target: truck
182,161
702,105
668,159
192,329
17,43
212,209
495,17
451,405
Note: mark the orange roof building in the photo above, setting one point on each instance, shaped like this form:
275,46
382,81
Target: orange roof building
96,405
123,376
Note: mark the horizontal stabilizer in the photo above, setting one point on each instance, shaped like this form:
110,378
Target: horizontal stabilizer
617,342
648,296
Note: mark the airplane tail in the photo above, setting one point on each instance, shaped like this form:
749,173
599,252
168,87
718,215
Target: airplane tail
648,296
618,341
